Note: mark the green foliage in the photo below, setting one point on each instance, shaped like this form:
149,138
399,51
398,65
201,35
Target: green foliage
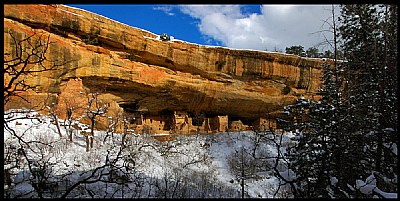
91,41
94,30
132,56
296,50
164,37
328,54
345,134
59,31
315,125
369,34
312,52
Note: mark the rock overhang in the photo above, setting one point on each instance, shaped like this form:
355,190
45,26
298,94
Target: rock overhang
143,72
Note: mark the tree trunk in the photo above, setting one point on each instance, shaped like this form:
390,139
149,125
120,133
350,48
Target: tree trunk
69,114
57,125
70,135
70,130
87,143
242,184
123,140
379,154
92,126
91,142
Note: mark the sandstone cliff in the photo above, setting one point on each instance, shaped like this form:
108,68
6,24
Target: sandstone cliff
138,72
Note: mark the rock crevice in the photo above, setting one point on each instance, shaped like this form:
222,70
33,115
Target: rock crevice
135,68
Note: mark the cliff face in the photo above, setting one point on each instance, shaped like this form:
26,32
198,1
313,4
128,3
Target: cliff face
135,70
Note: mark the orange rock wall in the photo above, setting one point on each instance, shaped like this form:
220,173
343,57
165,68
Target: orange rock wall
131,68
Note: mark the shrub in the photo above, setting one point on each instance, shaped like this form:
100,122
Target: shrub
286,90
58,31
164,37
132,56
90,41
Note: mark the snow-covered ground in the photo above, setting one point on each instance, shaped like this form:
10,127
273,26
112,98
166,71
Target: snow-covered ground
186,167
201,160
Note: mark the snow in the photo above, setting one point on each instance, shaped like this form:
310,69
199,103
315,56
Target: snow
151,38
288,175
70,12
172,39
364,187
389,129
334,181
105,18
201,159
369,187
386,195
160,134
392,147
71,159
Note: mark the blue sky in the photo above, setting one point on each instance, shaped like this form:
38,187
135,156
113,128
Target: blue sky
243,26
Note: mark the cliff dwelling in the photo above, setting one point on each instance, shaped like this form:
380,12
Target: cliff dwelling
163,86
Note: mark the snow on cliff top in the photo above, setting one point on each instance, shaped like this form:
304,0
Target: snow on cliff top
174,39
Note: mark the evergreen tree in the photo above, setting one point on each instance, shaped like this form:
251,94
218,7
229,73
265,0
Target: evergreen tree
315,156
350,133
164,37
369,98
315,125
312,52
296,50
388,92
327,54
302,156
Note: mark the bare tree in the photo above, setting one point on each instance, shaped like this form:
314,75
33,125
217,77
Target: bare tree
242,165
51,109
33,163
27,59
95,108
72,108
30,159
332,28
112,125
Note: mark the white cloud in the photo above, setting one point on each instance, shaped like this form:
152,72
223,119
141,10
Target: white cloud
201,11
275,26
166,9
